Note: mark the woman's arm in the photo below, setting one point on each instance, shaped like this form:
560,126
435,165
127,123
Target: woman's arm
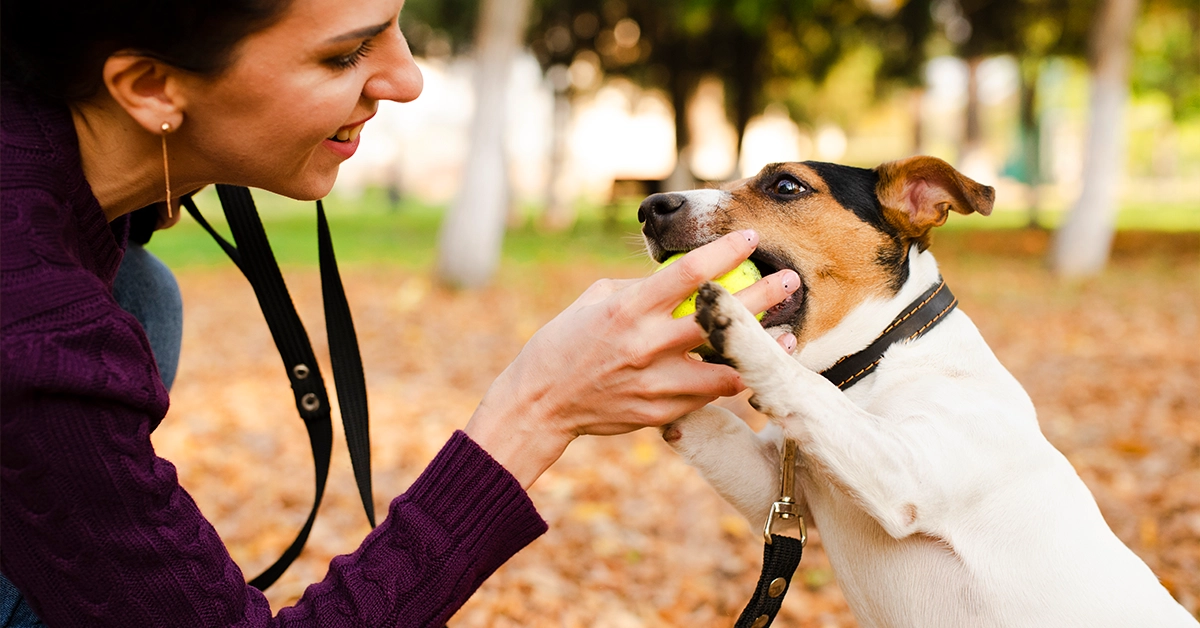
97,530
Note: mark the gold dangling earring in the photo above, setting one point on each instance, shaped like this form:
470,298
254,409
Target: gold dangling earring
166,128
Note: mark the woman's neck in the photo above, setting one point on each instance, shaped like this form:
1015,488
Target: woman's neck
122,162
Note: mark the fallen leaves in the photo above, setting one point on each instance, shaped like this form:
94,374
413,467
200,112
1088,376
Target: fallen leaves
636,538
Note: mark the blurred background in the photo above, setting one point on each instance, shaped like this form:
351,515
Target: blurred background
473,215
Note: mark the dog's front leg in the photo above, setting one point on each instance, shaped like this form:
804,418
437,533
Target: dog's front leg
873,461
743,466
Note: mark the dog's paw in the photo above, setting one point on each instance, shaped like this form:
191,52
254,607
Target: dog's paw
733,332
723,318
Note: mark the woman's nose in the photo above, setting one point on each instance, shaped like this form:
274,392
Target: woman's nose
398,78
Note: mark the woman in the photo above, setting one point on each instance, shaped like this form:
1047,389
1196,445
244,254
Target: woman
270,94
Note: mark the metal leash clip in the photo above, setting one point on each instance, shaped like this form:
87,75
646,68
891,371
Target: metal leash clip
786,507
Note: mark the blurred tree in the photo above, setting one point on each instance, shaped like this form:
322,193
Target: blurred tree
759,49
1082,244
472,232
430,24
782,51
1167,54
1030,31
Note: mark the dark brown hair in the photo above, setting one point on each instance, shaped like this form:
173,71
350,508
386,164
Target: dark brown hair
57,48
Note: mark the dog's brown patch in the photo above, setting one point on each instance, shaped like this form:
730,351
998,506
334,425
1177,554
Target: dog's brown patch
843,260
918,193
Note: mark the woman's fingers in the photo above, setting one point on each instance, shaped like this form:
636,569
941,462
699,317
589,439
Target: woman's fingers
686,334
666,411
770,290
669,287
787,340
693,377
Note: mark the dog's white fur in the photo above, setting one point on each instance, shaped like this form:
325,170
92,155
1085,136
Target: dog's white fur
939,501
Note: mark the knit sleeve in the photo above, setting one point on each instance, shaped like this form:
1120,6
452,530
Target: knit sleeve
97,529
98,532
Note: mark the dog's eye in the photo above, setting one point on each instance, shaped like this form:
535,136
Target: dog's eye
788,186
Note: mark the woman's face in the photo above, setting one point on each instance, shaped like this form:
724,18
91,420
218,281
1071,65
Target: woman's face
289,109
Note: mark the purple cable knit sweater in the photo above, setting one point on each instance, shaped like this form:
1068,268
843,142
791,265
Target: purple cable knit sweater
96,529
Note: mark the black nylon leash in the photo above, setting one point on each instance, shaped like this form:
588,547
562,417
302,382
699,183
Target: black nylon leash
781,554
253,256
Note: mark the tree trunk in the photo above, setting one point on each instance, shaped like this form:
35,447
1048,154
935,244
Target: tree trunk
682,83
746,85
1082,244
560,209
1031,141
472,233
972,142
916,104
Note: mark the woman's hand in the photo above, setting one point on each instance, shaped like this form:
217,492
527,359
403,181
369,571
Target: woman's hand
615,361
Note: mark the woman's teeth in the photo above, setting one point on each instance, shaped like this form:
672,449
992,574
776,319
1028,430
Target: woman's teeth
347,135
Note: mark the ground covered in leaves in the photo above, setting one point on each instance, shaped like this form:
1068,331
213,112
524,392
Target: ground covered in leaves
637,538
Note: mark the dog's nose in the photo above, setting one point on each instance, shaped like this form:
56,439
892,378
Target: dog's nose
660,205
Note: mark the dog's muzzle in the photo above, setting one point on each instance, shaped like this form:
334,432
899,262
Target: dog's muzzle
661,215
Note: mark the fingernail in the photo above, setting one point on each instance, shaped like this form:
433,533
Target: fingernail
789,342
791,281
749,234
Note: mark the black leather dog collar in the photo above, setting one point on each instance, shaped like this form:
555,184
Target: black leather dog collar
919,317
781,555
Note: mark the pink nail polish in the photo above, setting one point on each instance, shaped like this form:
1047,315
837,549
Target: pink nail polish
791,281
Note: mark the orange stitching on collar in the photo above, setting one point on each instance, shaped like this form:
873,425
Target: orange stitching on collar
894,324
916,309
934,320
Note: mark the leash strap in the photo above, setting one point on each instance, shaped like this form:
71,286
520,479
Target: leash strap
253,256
781,557
781,554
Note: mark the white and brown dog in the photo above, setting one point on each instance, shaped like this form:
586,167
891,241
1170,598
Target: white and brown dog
939,501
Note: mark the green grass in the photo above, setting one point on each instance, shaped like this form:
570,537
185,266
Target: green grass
369,231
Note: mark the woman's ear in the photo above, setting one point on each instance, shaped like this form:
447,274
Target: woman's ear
147,89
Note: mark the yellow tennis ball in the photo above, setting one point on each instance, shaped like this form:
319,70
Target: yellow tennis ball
735,280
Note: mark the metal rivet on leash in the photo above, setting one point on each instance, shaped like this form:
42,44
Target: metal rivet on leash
300,371
778,585
310,402
760,622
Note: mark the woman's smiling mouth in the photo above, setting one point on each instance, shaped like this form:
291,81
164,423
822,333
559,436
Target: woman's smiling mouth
347,134
345,141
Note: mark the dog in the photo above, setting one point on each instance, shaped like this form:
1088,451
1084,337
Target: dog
939,501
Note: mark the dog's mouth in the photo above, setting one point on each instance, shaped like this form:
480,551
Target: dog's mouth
786,312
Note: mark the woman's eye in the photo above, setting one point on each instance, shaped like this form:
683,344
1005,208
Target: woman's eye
345,62
788,186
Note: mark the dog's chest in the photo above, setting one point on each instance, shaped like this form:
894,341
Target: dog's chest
888,582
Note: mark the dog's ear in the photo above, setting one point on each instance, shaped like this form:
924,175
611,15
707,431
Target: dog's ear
918,193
